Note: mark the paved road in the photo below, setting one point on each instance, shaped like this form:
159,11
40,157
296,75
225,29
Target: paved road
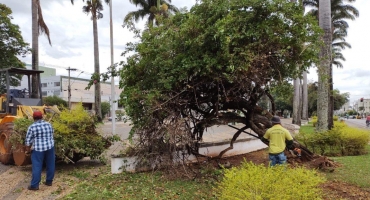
358,123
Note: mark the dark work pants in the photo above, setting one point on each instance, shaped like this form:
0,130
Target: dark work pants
38,158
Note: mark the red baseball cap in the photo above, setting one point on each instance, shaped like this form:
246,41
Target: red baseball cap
37,114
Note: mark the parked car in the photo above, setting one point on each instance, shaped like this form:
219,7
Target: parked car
110,119
119,118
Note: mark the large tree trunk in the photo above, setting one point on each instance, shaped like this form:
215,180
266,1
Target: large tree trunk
304,97
331,99
35,48
296,102
324,66
97,70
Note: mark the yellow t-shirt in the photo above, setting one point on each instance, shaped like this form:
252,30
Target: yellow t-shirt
277,136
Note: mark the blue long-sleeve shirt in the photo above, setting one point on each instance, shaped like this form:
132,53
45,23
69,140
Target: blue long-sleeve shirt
40,135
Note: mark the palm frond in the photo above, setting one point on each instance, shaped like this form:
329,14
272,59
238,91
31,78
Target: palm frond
43,28
135,15
342,45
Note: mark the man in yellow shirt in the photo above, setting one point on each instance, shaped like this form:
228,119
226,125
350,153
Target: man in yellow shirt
278,138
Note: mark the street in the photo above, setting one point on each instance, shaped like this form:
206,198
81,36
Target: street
358,123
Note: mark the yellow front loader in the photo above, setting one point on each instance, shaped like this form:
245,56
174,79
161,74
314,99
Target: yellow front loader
16,103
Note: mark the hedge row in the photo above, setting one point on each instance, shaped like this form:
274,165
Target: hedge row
339,141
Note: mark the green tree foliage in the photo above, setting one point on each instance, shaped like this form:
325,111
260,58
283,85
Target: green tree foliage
54,100
11,46
339,98
105,108
283,96
207,66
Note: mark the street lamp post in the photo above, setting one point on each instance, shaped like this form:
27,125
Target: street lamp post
69,85
113,115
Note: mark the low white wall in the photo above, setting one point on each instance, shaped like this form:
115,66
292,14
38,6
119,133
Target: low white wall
120,164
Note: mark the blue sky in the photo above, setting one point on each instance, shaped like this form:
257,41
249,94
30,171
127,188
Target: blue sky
72,40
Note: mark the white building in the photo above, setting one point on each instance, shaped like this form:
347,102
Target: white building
362,106
58,86
345,108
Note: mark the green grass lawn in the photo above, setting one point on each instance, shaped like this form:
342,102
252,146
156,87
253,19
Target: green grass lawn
141,186
354,170
307,128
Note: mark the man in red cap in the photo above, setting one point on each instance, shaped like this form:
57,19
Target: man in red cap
40,137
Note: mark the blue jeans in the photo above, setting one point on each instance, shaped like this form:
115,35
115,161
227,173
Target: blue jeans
38,158
277,159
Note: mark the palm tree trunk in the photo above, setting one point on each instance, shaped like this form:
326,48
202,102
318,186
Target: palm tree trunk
296,102
331,99
296,99
35,48
96,70
304,97
324,66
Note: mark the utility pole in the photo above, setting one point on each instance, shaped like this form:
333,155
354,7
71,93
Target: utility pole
69,85
113,114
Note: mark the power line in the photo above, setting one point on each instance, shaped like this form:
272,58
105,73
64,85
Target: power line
66,68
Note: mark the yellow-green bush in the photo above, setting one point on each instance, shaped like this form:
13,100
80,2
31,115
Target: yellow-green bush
335,118
340,140
314,122
354,141
76,136
250,181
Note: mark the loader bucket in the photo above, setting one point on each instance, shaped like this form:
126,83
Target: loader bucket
6,129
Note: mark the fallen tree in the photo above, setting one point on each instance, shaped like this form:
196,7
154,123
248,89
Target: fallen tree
211,66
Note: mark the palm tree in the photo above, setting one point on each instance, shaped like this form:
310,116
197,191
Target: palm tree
38,27
94,7
150,8
339,13
324,66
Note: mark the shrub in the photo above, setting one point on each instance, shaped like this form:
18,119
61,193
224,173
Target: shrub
76,136
250,181
55,100
353,141
20,130
340,140
314,122
335,118
105,108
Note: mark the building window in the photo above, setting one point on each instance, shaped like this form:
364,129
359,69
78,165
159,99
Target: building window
56,83
45,93
56,92
44,84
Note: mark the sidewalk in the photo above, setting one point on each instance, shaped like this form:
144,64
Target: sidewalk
224,133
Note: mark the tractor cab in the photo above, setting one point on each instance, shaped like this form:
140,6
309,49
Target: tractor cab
12,98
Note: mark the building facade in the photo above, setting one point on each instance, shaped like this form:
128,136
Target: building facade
52,85
362,106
